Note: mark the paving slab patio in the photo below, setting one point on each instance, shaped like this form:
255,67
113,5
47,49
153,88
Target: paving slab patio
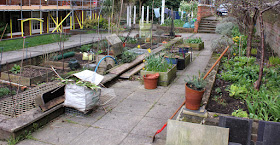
134,115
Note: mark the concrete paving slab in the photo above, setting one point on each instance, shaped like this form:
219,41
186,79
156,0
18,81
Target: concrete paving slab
146,96
97,136
135,107
59,132
182,133
135,139
161,111
176,89
32,142
118,121
121,94
127,84
171,99
148,127
88,120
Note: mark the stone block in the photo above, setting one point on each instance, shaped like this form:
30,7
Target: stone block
240,129
268,133
182,133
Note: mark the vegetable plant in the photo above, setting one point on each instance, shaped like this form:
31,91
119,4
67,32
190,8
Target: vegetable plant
156,64
15,69
193,40
196,83
128,56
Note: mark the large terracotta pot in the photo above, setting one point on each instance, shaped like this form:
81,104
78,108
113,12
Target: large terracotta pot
150,80
193,98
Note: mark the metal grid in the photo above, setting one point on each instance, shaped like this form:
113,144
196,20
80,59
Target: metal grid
17,105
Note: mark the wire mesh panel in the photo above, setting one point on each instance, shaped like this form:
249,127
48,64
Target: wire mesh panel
16,105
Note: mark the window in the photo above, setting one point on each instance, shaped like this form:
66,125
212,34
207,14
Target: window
35,24
53,14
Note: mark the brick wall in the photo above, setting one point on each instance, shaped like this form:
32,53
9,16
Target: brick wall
271,29
202,12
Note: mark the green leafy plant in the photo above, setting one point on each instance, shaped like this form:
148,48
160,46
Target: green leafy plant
219,100
240,113
274,60
128,57
254,51
237,91
5,91
156,64
194,40
196,83
79,82
85,48
15,69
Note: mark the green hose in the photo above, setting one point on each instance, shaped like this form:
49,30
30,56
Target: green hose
65,55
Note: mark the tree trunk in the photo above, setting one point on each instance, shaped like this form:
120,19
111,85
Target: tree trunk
140,8
249,41
258,83
120,17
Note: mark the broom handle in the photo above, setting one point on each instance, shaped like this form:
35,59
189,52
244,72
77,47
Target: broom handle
216,62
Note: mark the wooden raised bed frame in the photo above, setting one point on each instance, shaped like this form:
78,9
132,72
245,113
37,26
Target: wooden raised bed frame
28,81
165,78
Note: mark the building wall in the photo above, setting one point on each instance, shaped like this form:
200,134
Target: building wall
271,29
202,12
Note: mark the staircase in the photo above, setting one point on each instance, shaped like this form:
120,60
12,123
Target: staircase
207,25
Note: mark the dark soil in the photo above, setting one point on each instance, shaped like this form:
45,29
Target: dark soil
31,72
14,90
221,102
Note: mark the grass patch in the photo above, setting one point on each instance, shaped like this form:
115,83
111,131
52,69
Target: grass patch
16,44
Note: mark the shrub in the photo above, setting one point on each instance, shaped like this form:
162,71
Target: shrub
230,19
225,28
220,44
156,64
128,57
193,40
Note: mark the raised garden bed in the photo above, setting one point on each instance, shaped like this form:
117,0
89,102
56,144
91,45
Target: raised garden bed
31,75
194,46
59,64
165,78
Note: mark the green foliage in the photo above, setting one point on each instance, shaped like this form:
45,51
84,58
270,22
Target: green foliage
5,91
85,48
196,83
16,44
242,72
128,57
194,40
240,113
15,69
225,28
219,45
274,60
219,100
79,82
189,7
93,23
235,31
2,28
156,64
254,51
177,22
237,91
218,90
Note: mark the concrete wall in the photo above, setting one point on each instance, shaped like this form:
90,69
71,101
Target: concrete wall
203,11
272,29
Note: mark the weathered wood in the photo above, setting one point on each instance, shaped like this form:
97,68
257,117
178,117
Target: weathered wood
133,71
52,103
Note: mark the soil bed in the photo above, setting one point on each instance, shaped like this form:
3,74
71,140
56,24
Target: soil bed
221,102
32,72
14,90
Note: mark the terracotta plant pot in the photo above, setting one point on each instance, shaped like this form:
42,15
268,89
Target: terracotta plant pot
193,98
150,80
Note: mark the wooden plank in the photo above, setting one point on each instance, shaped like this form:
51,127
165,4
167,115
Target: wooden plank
126,66
133,71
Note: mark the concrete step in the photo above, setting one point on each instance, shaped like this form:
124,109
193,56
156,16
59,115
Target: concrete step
205,25
206,28
205,31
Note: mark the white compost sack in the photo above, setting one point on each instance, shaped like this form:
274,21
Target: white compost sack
80,97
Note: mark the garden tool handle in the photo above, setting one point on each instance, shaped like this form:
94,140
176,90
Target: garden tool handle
216,62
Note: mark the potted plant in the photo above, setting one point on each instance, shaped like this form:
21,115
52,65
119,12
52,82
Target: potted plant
157,64
194,90
150,81
195,43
